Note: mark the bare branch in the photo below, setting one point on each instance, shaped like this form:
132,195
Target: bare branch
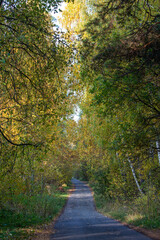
19,144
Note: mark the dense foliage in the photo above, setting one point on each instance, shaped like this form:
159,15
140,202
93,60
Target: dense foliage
107,63
35,102
118,133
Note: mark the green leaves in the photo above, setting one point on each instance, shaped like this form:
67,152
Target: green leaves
34,99
120,104
2,60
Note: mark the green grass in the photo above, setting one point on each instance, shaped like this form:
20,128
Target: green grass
27,211
15,234
144,221
136,213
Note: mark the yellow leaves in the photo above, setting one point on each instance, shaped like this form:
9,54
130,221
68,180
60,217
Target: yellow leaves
71,16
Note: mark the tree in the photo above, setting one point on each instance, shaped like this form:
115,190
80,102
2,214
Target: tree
119,69
34,95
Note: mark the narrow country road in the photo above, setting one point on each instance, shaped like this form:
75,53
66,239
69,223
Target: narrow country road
81,221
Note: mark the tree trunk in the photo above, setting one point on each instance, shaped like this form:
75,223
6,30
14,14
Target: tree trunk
134,175
158,150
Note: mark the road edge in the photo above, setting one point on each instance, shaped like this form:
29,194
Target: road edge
46,230
153,234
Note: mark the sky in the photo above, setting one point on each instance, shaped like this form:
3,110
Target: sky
59,14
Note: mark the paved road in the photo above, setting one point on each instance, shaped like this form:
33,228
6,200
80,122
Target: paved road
81,221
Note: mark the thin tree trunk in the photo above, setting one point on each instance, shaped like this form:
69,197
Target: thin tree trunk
158,150
134,175
1,1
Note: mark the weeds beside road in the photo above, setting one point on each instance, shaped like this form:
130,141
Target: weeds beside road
21,218
137,214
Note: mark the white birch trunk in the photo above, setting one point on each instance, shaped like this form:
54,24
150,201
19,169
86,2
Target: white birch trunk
134,175
158,150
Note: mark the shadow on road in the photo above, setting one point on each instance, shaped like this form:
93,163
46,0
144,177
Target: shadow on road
81,221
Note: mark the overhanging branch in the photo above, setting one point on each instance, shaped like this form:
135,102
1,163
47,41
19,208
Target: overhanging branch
18,144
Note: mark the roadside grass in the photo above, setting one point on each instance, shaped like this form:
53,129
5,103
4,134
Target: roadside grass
136,213
19,218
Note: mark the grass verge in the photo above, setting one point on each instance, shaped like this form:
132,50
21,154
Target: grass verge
19,219
133,214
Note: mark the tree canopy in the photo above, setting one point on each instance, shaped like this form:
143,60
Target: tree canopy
106,62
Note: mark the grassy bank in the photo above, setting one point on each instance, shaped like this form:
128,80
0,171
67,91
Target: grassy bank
19,217
139,212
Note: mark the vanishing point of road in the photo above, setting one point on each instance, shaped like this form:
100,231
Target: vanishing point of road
81,221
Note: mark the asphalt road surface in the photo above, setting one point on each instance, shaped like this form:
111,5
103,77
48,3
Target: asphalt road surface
81,221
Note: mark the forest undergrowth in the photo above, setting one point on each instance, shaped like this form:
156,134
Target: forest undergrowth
140,212
20,218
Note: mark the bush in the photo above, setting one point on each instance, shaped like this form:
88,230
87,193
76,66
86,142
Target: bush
27,211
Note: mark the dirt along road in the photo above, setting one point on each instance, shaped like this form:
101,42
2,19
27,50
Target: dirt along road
81,221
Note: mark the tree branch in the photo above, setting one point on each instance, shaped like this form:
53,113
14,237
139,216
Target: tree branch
18,144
